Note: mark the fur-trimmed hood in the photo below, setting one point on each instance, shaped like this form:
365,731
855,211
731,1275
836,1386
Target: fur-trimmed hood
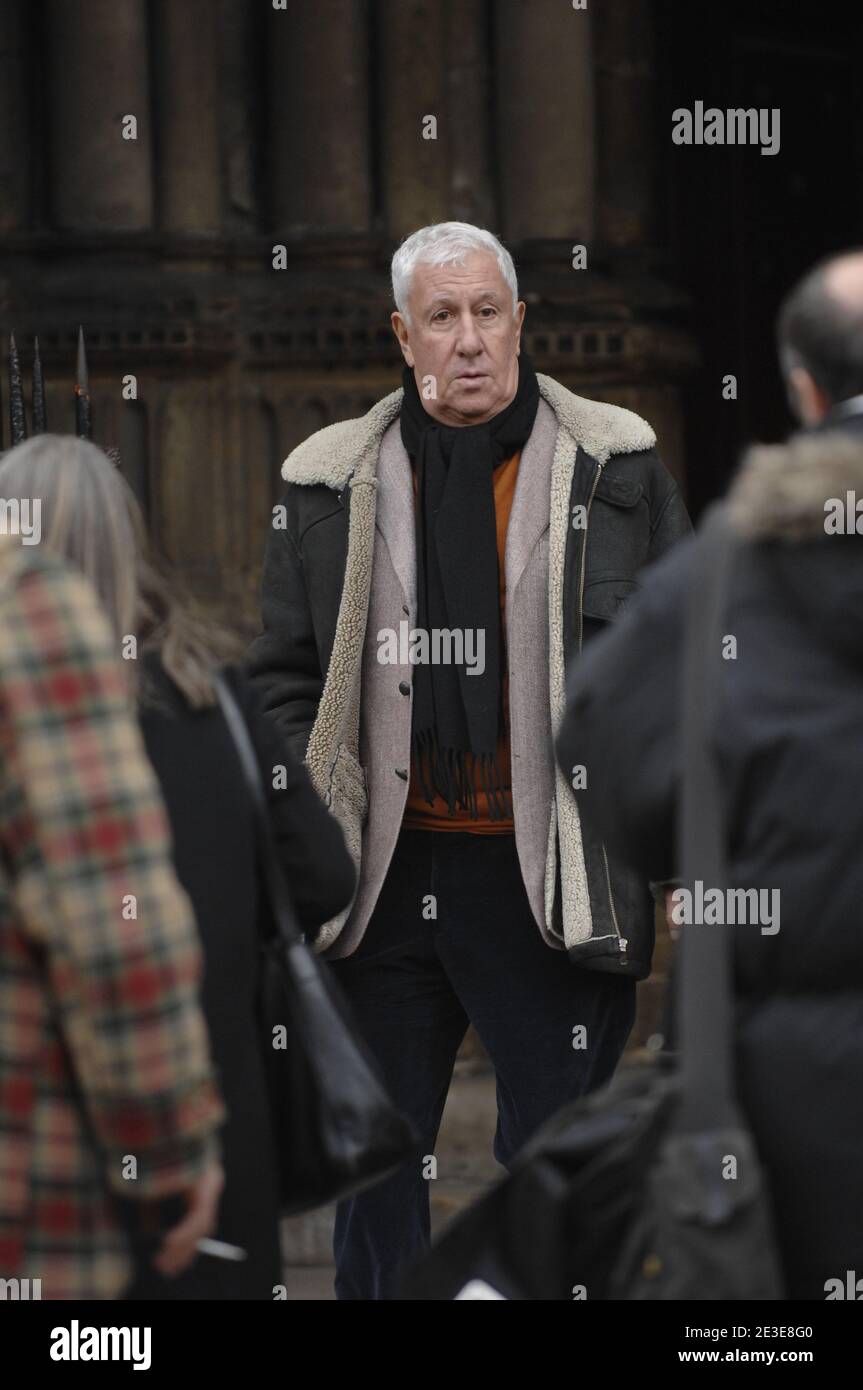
332,454
783,491
783,494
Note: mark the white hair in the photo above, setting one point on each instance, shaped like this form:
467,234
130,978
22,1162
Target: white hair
446,243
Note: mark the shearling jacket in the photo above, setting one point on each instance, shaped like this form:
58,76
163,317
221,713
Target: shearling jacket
593,505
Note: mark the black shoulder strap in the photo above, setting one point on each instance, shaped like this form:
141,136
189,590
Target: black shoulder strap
704,993
276,886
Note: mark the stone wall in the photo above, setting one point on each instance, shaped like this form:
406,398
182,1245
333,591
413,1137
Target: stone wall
305,127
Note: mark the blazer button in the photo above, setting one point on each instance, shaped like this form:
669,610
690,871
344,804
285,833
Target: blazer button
402,772
404,688
405,609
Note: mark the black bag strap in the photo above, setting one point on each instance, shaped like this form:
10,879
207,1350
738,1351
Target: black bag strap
277,888
704,990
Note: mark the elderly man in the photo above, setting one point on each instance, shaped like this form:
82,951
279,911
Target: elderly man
432,568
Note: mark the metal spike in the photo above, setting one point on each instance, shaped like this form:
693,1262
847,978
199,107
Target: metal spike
40,417
83,423
17,421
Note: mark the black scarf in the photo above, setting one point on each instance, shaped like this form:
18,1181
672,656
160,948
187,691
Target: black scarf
458,717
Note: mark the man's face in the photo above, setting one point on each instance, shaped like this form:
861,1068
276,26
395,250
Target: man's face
463,339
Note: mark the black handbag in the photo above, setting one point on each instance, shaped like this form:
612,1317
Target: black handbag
650,1189
334,1126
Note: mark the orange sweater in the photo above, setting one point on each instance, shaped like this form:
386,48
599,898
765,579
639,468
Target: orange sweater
419,815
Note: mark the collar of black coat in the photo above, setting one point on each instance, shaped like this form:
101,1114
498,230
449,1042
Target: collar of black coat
784,491
349,448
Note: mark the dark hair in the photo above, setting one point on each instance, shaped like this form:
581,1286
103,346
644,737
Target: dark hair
821,332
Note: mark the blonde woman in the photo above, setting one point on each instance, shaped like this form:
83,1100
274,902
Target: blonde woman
90,517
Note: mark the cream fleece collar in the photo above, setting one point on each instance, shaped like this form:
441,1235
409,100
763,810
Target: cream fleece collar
334,453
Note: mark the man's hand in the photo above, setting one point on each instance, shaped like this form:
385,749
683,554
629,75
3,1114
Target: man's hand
177,1250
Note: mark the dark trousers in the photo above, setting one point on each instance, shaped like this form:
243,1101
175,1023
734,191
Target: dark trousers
415,984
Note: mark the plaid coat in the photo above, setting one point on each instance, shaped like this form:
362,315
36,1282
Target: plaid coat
105,1078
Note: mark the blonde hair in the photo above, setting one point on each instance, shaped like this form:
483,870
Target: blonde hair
89,517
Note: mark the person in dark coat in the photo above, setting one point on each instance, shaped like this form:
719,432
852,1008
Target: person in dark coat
90,516
480,507
214,854
788,739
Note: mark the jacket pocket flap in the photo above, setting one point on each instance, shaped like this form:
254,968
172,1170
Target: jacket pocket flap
604,598
621,492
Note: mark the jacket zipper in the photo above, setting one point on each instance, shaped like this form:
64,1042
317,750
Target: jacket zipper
597,476
622,943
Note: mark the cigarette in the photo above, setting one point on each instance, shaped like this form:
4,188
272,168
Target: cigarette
220,1249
